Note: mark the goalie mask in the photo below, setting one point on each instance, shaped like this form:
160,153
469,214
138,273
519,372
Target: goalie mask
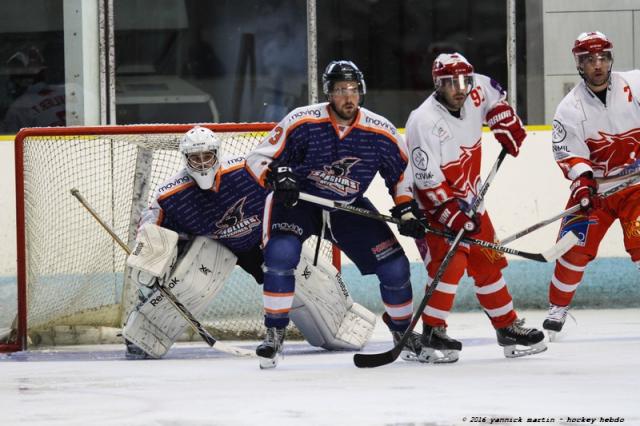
452,69
200,149
592,47
343,71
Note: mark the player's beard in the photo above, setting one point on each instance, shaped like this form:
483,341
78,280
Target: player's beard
347,111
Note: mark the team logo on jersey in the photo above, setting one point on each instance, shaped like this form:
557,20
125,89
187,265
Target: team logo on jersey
632,228
463,175
233,224
558,133
420,159
612,153
335,177
492,255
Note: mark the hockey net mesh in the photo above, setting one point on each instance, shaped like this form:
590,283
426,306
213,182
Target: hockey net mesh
76,282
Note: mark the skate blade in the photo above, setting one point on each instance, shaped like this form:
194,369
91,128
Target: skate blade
513,351
431,356
553,335
267,363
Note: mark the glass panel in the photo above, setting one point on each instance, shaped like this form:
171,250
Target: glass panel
31,65
394,42
190,61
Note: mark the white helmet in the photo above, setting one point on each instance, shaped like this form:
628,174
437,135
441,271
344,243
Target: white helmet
200,149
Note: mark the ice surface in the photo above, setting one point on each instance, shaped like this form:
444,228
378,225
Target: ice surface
593,370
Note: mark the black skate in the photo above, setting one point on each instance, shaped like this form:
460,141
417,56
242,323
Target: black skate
412,346
438,347
270,350
133,351
517,335
555,320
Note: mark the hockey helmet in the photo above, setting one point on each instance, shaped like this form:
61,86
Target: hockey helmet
342,71
452,68
200,146
592,44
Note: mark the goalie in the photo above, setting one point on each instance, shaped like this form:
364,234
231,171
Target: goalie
201,223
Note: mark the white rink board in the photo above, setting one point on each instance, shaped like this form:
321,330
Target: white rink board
526,190
592,372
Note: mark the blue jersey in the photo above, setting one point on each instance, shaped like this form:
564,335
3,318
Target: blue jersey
231,212
332,162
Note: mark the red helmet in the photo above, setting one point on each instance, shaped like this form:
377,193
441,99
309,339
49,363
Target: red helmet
450,65
591,43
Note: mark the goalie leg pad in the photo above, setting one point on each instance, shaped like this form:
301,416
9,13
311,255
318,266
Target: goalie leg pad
199,275
323,310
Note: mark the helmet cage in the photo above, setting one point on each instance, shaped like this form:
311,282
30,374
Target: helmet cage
199,147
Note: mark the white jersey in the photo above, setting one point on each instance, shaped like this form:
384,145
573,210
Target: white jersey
41,105
591,136
445,150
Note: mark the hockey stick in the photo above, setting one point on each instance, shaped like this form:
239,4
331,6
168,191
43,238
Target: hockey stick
194,323
560,248
383,358
634,178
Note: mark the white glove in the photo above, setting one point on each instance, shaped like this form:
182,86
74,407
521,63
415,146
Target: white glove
154,255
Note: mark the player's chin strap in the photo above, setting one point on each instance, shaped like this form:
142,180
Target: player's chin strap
194,323
560,248
632,179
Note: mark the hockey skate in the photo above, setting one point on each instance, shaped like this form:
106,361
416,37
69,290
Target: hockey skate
412,346
133,352
516,335
270,350
438,347
555,320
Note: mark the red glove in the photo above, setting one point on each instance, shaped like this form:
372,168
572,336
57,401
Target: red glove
453,217
584,191
506,127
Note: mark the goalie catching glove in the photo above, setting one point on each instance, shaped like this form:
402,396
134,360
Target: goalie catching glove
584,191
451,215
154,255
284,184
410,215
506,127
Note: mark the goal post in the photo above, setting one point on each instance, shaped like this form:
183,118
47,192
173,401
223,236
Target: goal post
71,282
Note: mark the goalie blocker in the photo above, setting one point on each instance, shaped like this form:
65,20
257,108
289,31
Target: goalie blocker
323,310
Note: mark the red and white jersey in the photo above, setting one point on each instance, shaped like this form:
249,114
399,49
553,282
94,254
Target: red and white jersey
588,135
445,150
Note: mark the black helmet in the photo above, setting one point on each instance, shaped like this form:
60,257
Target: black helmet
342,71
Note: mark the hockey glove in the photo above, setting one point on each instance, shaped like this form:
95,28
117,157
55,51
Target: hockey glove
506,127
451,215
285,185
584,190
410,215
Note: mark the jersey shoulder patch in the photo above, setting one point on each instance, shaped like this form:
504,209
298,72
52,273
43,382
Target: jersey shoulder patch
313,112
179,179
231,162
377,122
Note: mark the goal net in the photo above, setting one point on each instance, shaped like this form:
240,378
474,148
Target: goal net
72,286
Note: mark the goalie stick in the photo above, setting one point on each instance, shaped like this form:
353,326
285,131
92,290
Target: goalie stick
384,358
633,178
194,323
560,248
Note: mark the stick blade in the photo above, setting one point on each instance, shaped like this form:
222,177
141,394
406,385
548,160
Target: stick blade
377,360
233,350
562,246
